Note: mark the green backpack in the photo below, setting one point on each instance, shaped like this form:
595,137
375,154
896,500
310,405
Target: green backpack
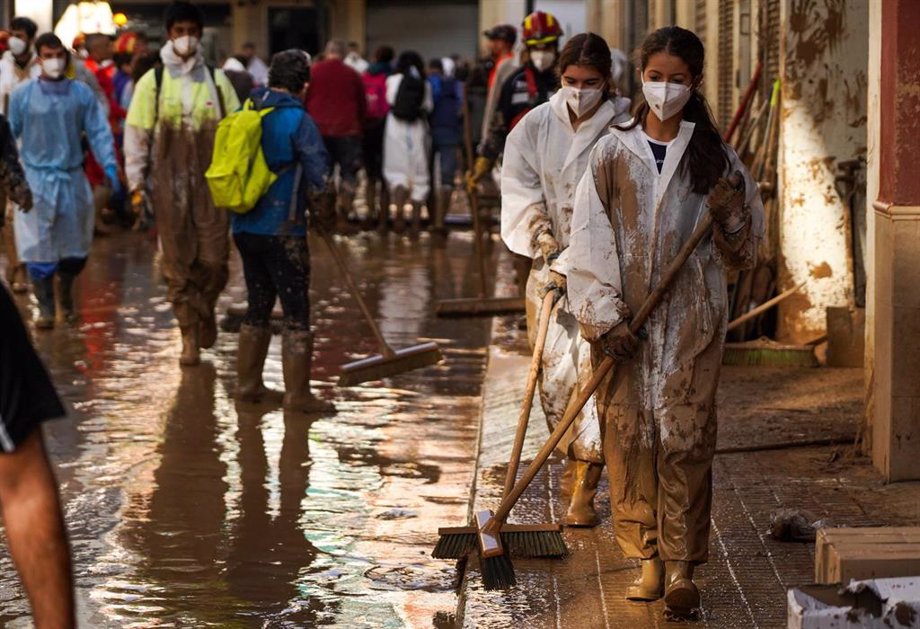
239,175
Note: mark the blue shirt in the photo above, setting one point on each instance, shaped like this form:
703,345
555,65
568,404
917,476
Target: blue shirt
289,137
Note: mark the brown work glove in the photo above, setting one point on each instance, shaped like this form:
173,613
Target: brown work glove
481,168
726,203
620,343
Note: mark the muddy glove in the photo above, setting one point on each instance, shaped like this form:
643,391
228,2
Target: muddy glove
726,203
20,194
548,246
620,343
556,282
481,168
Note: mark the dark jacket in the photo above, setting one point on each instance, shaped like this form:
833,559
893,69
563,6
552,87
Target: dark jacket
289,137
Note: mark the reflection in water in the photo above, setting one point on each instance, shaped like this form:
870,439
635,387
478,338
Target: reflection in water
186,511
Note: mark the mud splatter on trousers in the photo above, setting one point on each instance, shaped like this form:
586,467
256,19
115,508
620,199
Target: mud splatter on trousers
276,267
194,239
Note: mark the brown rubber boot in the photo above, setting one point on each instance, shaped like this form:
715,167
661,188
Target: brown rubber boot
191,355
650,584
250,359
442,206
296,363
345,203
567,480
208,332
400,197
681,596
584,487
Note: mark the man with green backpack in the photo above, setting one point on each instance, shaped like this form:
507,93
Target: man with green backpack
272,235
169,138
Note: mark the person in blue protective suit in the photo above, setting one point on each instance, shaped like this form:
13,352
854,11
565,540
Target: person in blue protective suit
49,116
272,239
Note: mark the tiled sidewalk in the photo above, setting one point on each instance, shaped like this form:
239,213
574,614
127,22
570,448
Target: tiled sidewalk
745,582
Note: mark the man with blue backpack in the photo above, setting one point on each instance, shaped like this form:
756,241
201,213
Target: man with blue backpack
272,238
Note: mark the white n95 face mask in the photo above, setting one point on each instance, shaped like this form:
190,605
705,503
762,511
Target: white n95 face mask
54,68
581,100
666,99
17,45
185,45
543,59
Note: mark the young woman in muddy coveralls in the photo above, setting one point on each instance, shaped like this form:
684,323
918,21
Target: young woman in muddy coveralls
648,184
546,155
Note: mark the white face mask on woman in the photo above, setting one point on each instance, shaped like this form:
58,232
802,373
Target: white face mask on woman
543,59
666,99
185,46
581,101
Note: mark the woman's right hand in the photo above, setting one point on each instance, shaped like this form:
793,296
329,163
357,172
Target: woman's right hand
620,343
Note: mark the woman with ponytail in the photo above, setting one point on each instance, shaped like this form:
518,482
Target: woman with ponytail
648,185
546,155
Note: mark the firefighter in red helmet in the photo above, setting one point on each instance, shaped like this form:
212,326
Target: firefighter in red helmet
531,85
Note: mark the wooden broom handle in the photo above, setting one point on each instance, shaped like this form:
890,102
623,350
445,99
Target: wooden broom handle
549,300
385,348
600,372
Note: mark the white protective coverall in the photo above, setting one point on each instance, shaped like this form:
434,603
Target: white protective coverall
544,160
659,408
406,146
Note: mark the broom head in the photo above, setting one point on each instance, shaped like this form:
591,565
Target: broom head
377,367
521,540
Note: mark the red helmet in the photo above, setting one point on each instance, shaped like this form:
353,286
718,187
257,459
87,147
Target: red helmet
125,43
541,28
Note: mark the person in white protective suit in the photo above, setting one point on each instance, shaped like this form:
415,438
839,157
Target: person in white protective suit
648,185
406,141
546,155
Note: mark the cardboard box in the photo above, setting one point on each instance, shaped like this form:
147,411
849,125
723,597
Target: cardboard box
873,604
842,555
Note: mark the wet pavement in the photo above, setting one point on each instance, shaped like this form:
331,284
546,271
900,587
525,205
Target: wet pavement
745,582
185,511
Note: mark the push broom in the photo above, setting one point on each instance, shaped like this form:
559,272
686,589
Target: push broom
495,565
388,362
523,540
481,305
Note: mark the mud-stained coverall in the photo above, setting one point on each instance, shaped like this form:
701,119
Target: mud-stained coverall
180,129
659,408
544,161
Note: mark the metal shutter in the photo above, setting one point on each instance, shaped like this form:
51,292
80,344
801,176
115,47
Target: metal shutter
701,19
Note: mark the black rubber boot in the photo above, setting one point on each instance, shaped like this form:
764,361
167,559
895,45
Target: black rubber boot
44,294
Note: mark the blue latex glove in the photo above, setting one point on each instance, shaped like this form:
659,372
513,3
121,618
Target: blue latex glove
111,173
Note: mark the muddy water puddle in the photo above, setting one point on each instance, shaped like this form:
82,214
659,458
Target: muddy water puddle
188,511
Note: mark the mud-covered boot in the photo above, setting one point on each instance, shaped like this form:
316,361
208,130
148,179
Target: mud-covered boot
584,487
681,596
250,359
370,198
400,197
208,331
566,480
44,295
65,296
191,354
297,363
650,584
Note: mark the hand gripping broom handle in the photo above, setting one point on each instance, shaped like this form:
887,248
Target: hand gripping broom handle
385,348
600,372
545,314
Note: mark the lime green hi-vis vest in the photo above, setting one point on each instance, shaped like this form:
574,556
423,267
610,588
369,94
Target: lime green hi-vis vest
239,175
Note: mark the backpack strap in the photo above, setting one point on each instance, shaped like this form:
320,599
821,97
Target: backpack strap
158,77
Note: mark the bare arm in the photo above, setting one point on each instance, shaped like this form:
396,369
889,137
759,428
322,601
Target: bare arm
36,533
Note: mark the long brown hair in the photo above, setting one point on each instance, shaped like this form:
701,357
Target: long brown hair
706,158
587,49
